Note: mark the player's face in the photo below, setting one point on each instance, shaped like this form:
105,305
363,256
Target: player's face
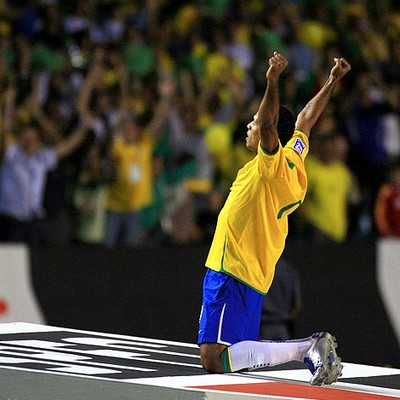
253,134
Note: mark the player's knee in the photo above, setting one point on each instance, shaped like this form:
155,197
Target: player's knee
212,365
211,360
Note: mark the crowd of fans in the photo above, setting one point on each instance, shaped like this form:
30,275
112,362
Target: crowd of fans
123,122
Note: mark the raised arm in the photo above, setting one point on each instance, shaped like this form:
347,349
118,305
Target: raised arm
94,77
268,112
7,114
166,89
52,132
314,108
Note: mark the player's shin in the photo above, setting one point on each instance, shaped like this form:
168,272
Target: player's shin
248,355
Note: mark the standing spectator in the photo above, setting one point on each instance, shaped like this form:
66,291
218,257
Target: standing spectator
132,185
89,198
25,164
368,135
329,188
282,304
186,142
55,125
387,205
187,139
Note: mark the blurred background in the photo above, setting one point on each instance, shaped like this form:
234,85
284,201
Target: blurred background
123,124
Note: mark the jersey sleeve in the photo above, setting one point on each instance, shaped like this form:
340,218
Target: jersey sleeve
299,144
274,165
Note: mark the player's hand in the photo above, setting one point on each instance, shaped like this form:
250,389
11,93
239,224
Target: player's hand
340,69
277,63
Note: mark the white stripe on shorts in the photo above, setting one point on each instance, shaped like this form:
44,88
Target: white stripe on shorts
221,318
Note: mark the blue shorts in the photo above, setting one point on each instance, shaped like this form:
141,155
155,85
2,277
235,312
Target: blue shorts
230,312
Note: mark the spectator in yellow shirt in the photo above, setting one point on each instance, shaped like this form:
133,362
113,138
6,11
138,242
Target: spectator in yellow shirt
329,188
131,188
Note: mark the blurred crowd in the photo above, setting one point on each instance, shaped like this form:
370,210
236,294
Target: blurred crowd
124,122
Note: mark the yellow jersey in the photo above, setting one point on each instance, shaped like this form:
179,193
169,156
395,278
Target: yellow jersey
253,224
132,187
327,201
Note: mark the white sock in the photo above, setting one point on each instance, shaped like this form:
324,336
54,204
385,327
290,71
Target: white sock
251,354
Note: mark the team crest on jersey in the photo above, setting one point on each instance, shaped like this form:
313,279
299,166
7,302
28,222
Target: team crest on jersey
299,146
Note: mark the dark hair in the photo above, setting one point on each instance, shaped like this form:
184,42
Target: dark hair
286,123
